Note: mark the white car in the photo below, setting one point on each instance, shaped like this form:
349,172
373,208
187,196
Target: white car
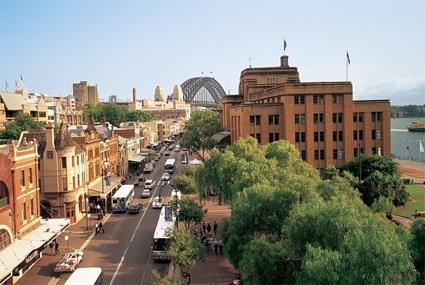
146,193
69,262
157,202
177,148
165,176
148,184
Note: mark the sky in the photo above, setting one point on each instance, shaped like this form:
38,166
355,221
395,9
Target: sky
124,44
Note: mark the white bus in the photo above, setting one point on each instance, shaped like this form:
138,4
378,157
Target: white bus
85,276
122,198
169,165
160,237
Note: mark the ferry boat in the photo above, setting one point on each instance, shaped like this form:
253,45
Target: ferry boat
416,126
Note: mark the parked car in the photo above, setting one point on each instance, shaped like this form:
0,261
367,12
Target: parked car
148,168
153,162
165,176
167,153
69,262
157,157
177,148
157,202
146,193
148,184
134,208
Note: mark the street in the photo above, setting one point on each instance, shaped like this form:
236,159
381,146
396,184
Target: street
123,251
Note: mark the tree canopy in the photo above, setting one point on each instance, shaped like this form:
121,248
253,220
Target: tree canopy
114,113
377,176
202,125
23,122
289,226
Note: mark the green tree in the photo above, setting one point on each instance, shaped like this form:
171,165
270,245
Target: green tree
114,113
23,122
417,247
184,249
378,176
157,279
202,125
184,183
190,211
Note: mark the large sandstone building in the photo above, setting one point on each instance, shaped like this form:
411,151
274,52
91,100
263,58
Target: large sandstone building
321,119
85,94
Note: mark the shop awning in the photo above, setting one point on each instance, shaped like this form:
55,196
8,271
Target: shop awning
110,183
137,158
20,249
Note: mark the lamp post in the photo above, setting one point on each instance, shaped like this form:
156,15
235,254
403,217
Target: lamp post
67,243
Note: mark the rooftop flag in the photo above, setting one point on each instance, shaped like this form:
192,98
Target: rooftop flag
284,45
348,58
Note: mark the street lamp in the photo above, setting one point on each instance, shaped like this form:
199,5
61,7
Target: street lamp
67,243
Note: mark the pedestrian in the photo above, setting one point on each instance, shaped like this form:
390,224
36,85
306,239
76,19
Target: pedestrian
101,214
57,248
204,227
215,246
215,227
101,228
98,208
96,229
220,245
208,227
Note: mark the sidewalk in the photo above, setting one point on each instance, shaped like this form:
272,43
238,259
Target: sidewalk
215,269
78,235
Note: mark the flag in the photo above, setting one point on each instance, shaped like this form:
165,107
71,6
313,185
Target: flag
7,85
284,45
421,147
20,75
348,58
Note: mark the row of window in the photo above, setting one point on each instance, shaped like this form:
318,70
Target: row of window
73,160
337,135
23,177
319,99
317,118
76,181
24,210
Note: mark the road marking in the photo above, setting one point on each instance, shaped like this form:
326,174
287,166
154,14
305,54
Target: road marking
146,267
132,238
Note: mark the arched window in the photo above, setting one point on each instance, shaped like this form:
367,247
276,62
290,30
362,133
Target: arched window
4,195
5,238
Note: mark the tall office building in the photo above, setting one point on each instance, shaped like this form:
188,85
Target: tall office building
321,119
85,94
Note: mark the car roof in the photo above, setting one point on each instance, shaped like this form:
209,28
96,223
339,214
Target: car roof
149,181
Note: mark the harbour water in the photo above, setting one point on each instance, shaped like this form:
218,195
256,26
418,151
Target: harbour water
405,144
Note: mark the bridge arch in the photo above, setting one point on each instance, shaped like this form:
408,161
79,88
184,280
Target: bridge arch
202,91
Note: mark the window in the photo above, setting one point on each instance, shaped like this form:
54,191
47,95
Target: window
49,154
73,182
316,136
32,207
299,118
22,178
337,98
258,137
374,134
340,154
78,180
335,153
339,117
24,212
334,115
316,154
73,162
360,134
356,152
251,120
334,136
322,154
30,175
354,117
303,155
376,116
82,159
374,150
273,119
318,99
318,118
319,136
340,135
300,137
378,134
270,119
299,99
64,162
64,184
355,135
273,137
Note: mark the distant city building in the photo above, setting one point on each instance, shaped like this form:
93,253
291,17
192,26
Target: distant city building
85,94
112,99
321,119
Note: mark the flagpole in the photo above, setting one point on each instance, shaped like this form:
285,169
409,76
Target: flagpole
346,68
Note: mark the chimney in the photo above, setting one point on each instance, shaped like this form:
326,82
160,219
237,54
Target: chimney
284,61
134,95
90,124
50,136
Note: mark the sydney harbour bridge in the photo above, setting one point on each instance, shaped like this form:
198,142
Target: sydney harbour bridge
202,92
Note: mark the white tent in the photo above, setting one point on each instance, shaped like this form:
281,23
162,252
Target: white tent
195,162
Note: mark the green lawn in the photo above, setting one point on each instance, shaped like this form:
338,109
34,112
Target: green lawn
417,202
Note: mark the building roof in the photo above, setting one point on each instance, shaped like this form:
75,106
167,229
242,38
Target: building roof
12,101
218,137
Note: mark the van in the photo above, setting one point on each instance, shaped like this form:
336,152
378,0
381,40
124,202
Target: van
183,158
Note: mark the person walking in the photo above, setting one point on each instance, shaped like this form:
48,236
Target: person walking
215,246
208,227
101,228
220,245
57,248
215,227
